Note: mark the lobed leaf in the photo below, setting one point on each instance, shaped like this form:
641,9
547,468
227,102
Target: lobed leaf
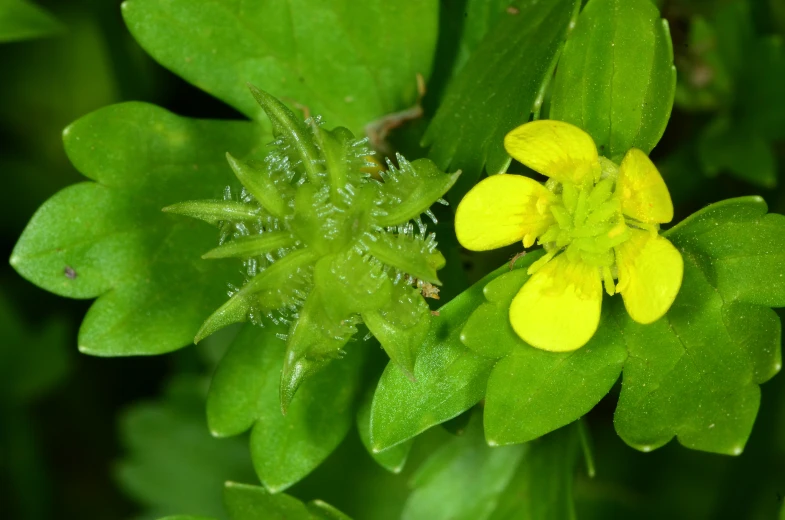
244,394
532,392
616,78
695,373
109,239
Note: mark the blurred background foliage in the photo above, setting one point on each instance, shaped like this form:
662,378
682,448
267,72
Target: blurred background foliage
85,437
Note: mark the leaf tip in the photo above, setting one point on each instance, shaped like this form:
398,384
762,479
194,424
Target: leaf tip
86,350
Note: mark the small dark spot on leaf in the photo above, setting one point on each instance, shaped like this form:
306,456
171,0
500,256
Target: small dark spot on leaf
513,10
69,272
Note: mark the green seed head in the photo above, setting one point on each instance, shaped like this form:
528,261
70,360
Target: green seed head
326,246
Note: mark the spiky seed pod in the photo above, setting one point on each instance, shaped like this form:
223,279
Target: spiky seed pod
325,245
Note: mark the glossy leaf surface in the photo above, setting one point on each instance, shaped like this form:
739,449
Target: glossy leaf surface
244,502
244,394
497,89
616,78
109,238
695,373
326,56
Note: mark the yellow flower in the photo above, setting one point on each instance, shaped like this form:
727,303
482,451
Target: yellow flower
598,223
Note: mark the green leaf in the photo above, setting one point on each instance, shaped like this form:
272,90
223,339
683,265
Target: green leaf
22,20
32,361
542,485
244,502
480,16
726,146
463,479
172,463
761,84
448,378
109,239
244,393
498,89
401,326
695,373
392,459
616,78
324,511
186,517
530,391
333,57
411,189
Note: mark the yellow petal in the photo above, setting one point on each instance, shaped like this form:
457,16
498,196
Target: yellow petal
501,210
559,150
558,308
650,273
644,195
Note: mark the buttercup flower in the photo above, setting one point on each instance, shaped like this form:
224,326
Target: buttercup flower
598,223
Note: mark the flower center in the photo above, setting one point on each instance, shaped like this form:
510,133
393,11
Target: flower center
588,224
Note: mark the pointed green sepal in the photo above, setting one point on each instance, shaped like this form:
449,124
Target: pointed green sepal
271,283
293,131
252,245
215,211
336,147
315,339
411,189
259,183
408,254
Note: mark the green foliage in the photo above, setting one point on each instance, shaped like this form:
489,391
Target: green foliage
500,85
739,75
696,374
691,375
171,463
22,20
465,479
32,362
327,250
621,55
109,239
244,502
349,62
392,459
244,394
448,378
